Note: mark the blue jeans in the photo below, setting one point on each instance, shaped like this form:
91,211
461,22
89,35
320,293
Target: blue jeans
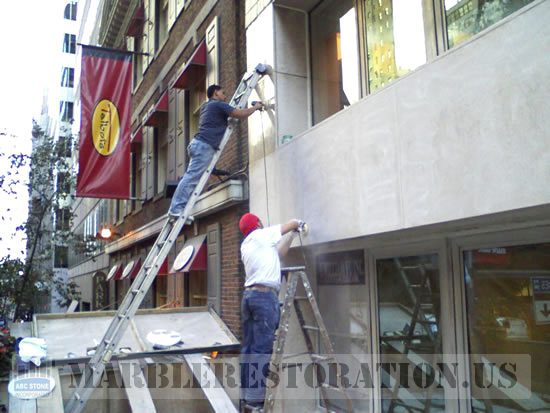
260,316
201,154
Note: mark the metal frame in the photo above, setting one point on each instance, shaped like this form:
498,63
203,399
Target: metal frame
458,245
421,247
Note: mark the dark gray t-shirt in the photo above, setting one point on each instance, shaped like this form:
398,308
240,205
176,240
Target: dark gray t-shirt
213,121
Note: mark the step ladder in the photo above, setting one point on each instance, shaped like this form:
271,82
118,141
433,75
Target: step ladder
93,371
418,285
315,325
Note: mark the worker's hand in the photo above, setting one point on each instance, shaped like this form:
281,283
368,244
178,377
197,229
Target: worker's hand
300,225
258,105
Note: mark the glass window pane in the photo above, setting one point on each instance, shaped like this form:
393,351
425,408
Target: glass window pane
468,17
508,300
396,41
335,60
343,302
409,329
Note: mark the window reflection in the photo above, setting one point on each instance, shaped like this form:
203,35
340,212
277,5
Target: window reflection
468,17
335,60
409,324
395,39
343,302
506,289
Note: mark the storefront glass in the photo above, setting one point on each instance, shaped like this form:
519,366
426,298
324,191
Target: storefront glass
409,332
343,302
508,303
396,41
335,57
468,17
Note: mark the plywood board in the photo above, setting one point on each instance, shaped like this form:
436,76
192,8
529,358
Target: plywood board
139,397
54,402
215,393
73,333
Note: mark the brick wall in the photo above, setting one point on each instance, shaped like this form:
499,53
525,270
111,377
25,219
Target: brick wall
232,272
232,64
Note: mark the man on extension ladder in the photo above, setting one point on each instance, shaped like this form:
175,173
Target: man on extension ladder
212,125
261,251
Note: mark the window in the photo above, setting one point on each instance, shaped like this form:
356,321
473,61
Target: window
467,17
69,43
138,60
133,179
161,24
195,289
161,291
63,183
66,111
64,147
507,301
67,77
196,96
361,46
161,153
409,327
61,257
70,11
63,219
396,42
344,305
335,60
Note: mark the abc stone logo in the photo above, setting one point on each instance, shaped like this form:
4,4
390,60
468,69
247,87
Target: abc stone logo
31,387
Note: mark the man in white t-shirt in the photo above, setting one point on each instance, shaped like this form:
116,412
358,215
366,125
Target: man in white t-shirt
261,251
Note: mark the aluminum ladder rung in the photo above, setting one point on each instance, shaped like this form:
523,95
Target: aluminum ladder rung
320,358
308,327
331,387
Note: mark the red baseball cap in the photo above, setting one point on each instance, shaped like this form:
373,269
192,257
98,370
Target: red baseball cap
248,223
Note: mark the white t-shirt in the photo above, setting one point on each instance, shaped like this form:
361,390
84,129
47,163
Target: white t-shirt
260,257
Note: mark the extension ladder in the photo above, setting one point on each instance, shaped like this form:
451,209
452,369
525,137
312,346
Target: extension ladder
308,326
93,371
420,290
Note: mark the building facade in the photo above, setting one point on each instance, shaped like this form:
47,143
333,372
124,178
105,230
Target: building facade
412,136
55,122
179,48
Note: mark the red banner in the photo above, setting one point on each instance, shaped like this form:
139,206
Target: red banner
105,90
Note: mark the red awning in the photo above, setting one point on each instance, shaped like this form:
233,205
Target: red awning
114,273
194,66
131,269
192,256
163,270
135,28
137,136
156,113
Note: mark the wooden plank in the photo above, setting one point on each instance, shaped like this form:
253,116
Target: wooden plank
22,405
17,405
222,325
21,329
214,391
72,306
88,314
139,397
53,402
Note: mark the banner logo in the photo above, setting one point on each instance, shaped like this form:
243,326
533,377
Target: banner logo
105,127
